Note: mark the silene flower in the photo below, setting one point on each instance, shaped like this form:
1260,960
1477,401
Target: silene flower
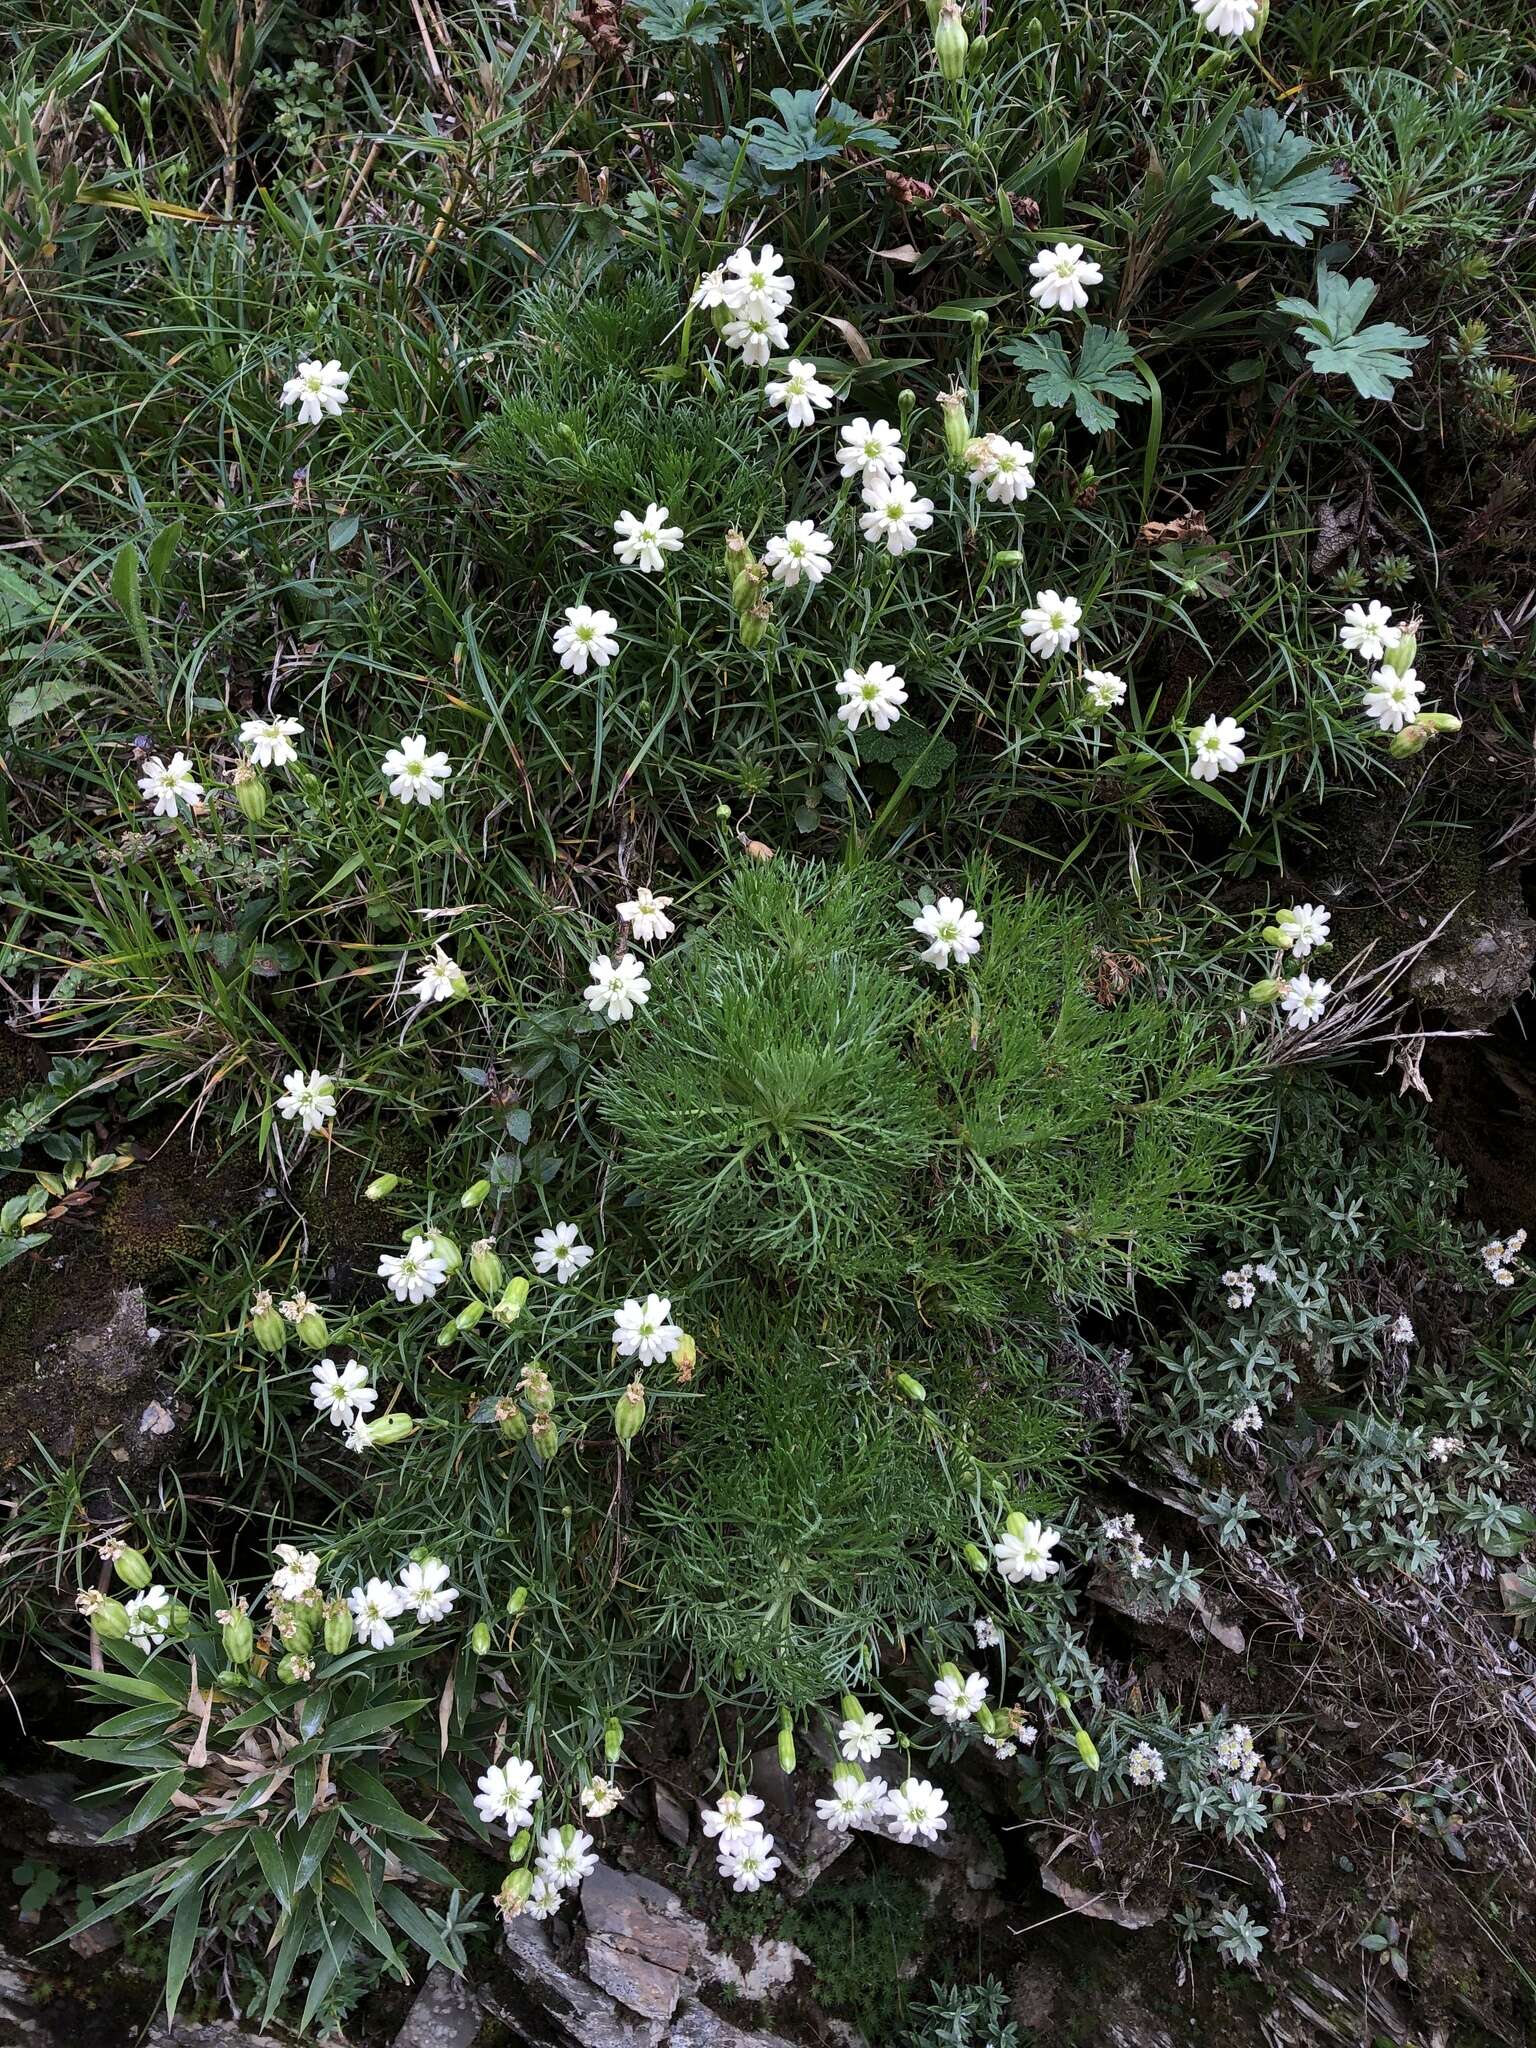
1215,748
800,550
599,1797
1303,1000
759,283
425,1590
165,784
560,1251
1023,1552
894,515
876,693
374,1607
751,1864
616,988
955,1698
855,1802
545,1898
1229,18
318,389
341,1392
1103,690
565,1857
415,774
298,1573
1051,624
1369,632
1062,276
150,1618
756,336
732,1819
915,1811
415,1274
508,1792
801,393
645,1331
953,932
647,917
440,979
863,1737
1393,700
586,636
270,740
311,1100
870,450
1006,468
1305,927
645,543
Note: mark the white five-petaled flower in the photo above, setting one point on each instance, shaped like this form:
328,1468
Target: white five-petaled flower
1230,18
644,544
1393,700
150,1619
1007,469
915,1811
616,988
165,784
1145,1765
374,1607
1103,690
647,917
312,1100
1215,748
415,1274
876,693
894,515
563,1862
545,1898
297,1574
710,290
414,774
1062,276
863,1737
1303,1000
870,450
732,1819
341,1392
271,740
1369,632
508,1792
1305,927
1051,624
855,1802
560,1251
759,283
955,1698
645,1330
318,389
757,336
1023,1555
599,1797
953,932
425,1590
441,979
801,393
586,636
800,550
751,1864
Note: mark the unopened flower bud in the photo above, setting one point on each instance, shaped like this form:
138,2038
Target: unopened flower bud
109,1620
1401,657
472,1197
1007,558
853,1709
613,1740
383,1184
485,1269
239,1638
265,1324
513,1299
975,1557
338,1627
1439,721
480,1638
393,1428
986,1719
913,1389
520,1844
133,1568
786,1744
517,1886
1275,935
467,1317
1085,1748
517,1600
950,43
250,794
1268,991
444,1248
629,1413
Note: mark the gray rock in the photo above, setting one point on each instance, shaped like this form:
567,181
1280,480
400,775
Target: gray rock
770,1971
445,2015
207,2034
18,2020
557,2007
641,1945
54,1797
697,2027
672,1817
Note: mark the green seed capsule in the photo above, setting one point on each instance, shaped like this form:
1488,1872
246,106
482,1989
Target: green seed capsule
485,1269
267,1326
133,1568
613,1739
514,1299
110,1621
293,1670
239,1639
444,1248
913,1389
312,1331
250,795
629,1413
338,1627
300,1636
950,43
181,1618
753,626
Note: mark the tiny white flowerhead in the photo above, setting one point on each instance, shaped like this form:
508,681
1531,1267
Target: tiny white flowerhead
756,336
751,1863
565,1857
732,1819
1006,468
1145,1765
1305,927
598,1797
1228,18
298,1572
855,1802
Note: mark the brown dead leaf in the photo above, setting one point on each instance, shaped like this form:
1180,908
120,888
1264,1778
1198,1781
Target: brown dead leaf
858,347
1159,533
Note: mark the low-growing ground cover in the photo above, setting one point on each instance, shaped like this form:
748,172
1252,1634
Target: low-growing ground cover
763,1108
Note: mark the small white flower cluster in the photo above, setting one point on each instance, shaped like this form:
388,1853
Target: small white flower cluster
743,1846
1234,1756
1443,1448
910,1811
1243,1282
986,1632
1122,1543
1499,1258
755,291
1247,1421
422,1591
1145,1765
151,1617
1302,929
1403,1332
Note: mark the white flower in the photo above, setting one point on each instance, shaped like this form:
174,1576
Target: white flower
545,1899
271,740
1303,1000
916,1810
1393,700
297,1574
643,1330
599,1797
1402,1331
358,1440
1051,623
894,515
1227,17
441,979
709,292
1305,926
1368,631
1006,468
1442,1448
508,1792
870,450
166,783
1247,1420
751,1864
757,284
1266,1273
757,336
1062,276
732,1819
424,1588
863,1737
150,1619
800,550
587,635
986,1632
856,1802
319,389
414,775
1215,748
1103,690
1499,1257
341,1392
1239,1281
647,917
617,988
374,1607
312,1101
1235,1754
955,1699
560,1251
876,693
953,932
1146,1765
1024,1554
415,1274
644,544
801,393
1000,1749
563,1862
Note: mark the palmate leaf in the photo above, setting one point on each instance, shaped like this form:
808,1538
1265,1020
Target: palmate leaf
1286,188
682,21
1102,372
1372,358
801,135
